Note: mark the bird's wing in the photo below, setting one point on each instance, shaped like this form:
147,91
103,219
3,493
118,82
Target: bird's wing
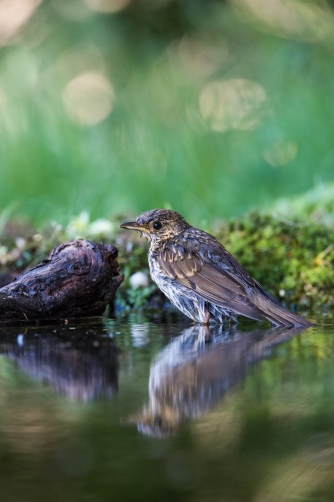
213,284
221,280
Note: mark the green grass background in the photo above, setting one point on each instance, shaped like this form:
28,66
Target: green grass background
155,149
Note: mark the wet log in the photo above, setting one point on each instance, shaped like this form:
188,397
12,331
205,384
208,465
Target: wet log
79,279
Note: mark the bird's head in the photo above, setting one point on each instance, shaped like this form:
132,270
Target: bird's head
158,224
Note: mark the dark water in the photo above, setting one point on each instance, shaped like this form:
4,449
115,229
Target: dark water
140,409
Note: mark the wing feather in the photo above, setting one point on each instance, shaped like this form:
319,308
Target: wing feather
210,283
224,283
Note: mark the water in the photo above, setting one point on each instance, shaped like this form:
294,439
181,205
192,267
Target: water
159,410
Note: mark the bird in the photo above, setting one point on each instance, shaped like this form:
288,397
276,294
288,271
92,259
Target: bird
200,277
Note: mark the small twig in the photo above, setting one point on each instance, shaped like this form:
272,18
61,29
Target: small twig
288,222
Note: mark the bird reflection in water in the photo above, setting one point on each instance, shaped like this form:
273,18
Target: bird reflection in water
82,367
192,374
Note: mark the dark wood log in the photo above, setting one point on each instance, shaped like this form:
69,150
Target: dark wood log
79,279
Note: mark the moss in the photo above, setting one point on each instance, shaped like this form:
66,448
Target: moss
291,260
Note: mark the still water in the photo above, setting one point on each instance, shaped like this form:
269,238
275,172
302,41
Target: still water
151,409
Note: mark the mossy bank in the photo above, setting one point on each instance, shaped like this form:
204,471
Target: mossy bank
292,259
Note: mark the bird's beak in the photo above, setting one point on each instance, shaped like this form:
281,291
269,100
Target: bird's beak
132,225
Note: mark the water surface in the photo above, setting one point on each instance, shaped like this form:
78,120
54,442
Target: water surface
147,409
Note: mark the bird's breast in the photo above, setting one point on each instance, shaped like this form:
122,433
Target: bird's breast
153,263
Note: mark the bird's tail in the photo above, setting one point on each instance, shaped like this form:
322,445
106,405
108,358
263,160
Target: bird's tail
276,313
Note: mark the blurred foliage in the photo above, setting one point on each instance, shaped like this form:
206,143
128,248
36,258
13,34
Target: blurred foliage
289,251
315,205
209,107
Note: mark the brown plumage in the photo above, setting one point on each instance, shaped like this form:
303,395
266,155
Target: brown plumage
201,277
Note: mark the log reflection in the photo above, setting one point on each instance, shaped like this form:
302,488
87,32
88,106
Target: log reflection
196,369
80,364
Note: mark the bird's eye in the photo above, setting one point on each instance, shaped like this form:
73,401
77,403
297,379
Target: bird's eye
157,225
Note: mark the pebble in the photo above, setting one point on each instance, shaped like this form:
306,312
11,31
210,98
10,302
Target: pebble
139,280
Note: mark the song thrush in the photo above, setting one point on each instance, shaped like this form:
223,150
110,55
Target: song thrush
200,277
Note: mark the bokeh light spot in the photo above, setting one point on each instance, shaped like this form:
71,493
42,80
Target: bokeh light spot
233,104
280,153
306,20
88,98
13,15
200,56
